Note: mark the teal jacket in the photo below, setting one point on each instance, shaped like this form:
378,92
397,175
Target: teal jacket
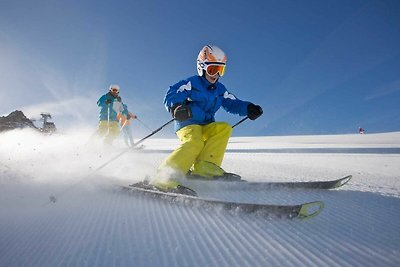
109,110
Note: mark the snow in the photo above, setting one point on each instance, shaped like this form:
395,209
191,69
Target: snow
92,225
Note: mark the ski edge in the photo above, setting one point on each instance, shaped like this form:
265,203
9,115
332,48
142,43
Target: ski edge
300,211
327,184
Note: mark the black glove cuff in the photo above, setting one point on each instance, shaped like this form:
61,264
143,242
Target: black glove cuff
172,109
182,112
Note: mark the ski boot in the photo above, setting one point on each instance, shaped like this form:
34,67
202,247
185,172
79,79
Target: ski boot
204,170
166,186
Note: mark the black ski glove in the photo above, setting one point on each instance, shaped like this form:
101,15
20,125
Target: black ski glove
254,111
181,112
108,101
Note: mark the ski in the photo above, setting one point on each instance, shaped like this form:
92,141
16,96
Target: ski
302,211
329,184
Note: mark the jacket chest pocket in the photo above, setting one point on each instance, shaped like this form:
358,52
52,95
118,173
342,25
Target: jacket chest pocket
199,98
213,103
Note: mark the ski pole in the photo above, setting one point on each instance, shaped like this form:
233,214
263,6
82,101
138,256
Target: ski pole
239,122
143,123
53,199
133,145
153,133
123,125
108,120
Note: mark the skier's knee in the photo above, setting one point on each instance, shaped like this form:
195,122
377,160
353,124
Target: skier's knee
195,146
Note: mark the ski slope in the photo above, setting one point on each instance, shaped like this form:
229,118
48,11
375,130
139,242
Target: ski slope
91,224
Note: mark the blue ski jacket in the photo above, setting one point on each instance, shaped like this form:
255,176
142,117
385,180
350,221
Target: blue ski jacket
109,111
204,99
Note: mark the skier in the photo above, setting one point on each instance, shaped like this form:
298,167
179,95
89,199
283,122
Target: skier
193,103
124,121
110,106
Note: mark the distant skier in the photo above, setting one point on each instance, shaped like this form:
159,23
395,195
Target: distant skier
361,130
110,106
125,127
193,103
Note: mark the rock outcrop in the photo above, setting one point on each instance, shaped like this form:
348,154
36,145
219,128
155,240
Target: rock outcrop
15,120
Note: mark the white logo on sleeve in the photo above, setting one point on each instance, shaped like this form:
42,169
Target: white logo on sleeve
185,87
229,95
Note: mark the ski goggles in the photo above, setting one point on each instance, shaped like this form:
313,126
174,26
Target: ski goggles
114,90
212,69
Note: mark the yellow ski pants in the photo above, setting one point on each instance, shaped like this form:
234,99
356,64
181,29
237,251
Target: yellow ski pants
108,130
200,143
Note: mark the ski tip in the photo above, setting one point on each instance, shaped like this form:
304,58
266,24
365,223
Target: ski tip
343,181
309,210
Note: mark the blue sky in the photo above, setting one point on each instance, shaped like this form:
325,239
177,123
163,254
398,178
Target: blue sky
315,67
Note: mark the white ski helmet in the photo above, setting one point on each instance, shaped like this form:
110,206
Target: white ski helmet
214,56
114,86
